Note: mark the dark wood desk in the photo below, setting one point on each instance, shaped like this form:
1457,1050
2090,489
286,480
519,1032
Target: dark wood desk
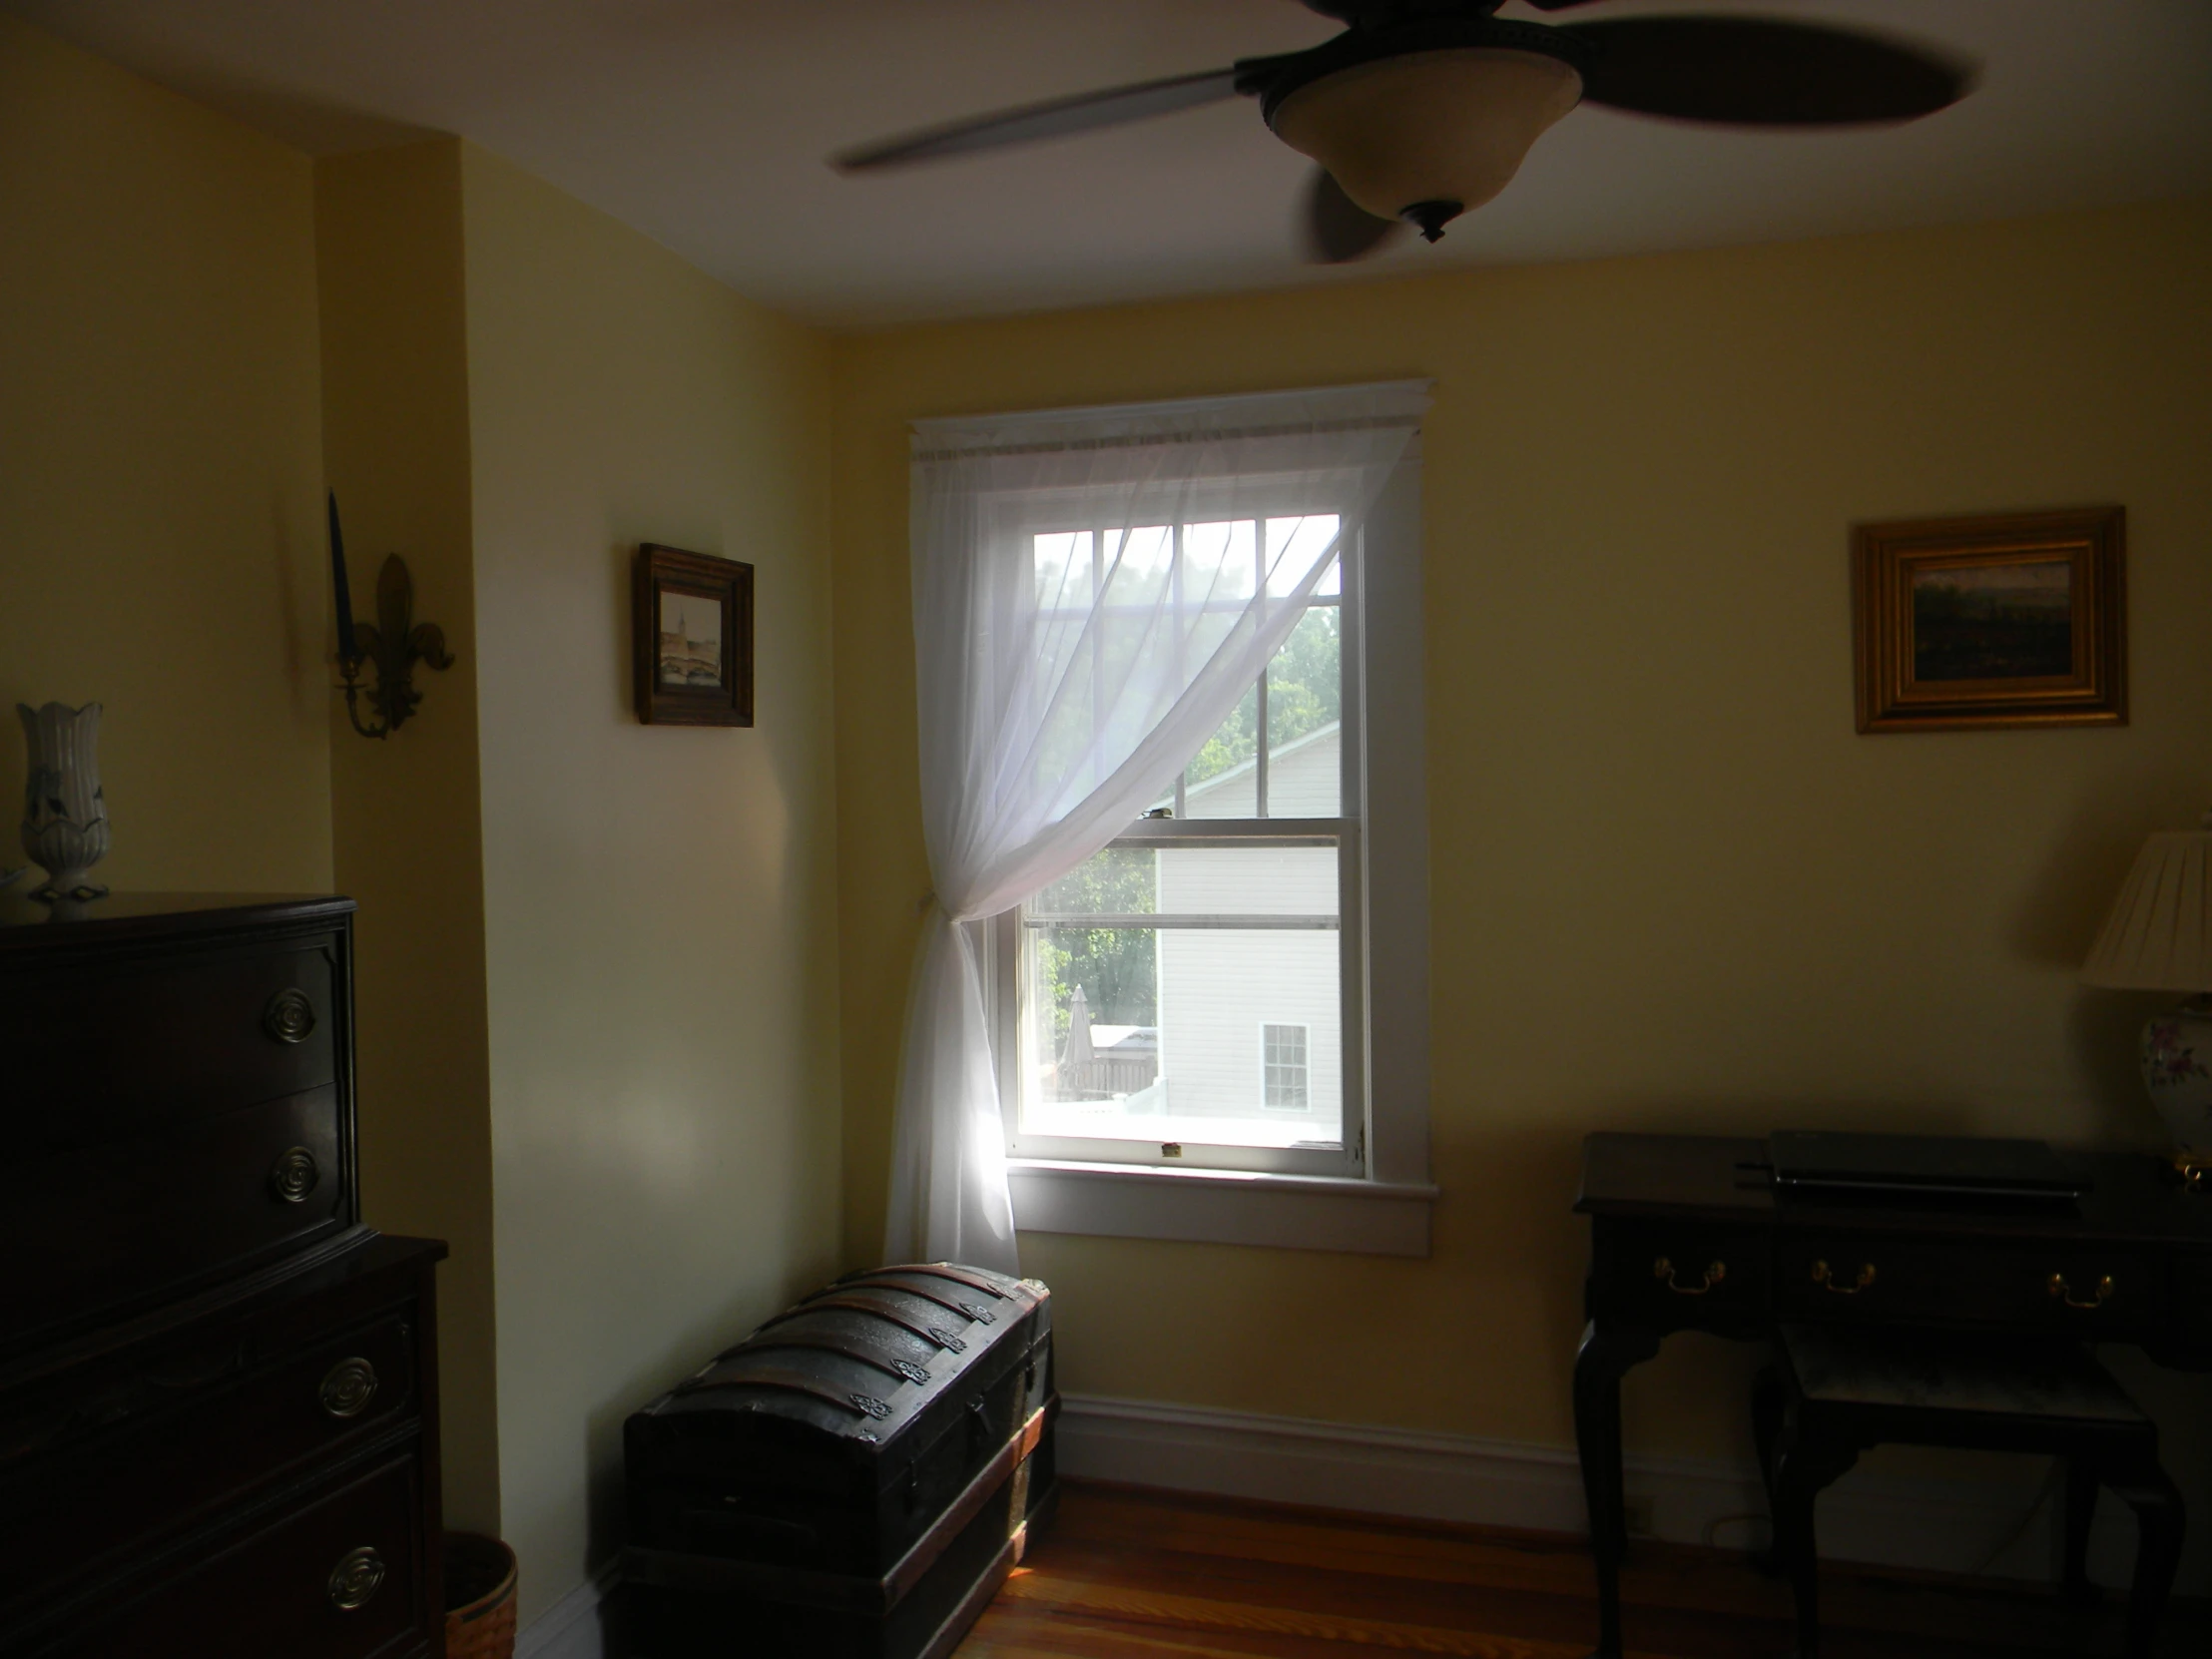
1686,1234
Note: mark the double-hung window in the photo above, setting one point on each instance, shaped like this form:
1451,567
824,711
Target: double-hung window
1190,997
1217,1026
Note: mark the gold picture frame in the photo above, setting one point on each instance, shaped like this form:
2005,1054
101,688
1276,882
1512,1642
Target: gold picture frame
2011,619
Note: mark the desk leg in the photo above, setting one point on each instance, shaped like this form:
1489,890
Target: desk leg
1605,1355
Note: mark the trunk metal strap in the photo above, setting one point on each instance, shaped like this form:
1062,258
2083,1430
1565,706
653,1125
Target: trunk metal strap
791,1382
873,1282
853,1300
958,1275
904,1369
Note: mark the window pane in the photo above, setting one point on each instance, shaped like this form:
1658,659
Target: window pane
1294,544
1222,1035
1248,880
1119,880
1284,1081
1218,569
1181,1052
1220,781
1305,719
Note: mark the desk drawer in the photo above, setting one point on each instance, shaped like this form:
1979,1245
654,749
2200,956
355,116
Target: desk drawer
2081,1290
341,1578
100,1477
99,1224
1666,1275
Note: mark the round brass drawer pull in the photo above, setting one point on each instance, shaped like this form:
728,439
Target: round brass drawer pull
289,1016
294,1174
355,1580
348,1387
2064,1292
1663,1269
1827,1281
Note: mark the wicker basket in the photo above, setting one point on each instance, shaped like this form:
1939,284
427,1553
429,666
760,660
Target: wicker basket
479,1598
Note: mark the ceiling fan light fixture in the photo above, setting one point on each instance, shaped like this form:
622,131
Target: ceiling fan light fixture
1419,133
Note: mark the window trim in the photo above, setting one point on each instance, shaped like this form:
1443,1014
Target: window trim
1385,1209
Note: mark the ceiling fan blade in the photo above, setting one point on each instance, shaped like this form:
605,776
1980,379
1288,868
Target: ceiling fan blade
1056,118
1761,72
1335,228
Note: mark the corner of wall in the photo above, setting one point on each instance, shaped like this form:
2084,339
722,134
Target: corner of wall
407,811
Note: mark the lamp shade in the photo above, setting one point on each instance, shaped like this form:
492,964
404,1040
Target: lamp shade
1423,129
2159,934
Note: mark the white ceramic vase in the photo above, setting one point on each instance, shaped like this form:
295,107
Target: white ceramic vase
2177,1069
65,815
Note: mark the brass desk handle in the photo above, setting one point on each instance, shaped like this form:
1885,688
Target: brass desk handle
2061,1289
356,1578
1826,1281
1715,1271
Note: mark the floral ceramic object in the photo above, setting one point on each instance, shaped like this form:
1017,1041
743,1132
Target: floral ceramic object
2175,1046
65,813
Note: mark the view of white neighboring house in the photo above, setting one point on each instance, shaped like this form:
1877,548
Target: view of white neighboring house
1250,1020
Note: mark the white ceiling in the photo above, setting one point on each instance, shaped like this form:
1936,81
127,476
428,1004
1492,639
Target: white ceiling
704,124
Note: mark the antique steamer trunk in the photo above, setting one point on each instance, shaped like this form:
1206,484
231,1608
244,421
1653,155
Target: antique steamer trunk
853,1480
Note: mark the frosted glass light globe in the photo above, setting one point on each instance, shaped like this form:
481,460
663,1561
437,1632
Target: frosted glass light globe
1428,130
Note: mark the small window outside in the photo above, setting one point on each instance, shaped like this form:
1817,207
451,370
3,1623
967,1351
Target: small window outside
1283,1067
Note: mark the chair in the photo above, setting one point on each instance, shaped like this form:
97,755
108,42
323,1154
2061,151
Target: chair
1834,1393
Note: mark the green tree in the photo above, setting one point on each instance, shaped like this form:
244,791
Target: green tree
1118,967
1306,690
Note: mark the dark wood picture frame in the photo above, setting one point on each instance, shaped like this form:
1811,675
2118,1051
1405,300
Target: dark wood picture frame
2011,619
695,681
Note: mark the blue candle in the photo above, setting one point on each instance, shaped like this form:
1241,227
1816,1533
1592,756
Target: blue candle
338,586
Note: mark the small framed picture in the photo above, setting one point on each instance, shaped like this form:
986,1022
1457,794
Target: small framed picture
691,617
2019,619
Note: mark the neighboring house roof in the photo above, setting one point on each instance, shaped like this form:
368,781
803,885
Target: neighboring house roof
1244,770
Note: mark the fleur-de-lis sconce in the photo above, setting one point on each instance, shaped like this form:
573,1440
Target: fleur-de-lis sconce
395,642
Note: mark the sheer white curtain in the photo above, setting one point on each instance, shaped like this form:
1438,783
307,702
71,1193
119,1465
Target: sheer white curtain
1088,608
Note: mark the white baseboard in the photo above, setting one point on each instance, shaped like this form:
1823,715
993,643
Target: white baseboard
1944,1526
575,1627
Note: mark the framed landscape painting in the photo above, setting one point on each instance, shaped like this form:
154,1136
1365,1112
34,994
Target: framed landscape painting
692,620
2012,620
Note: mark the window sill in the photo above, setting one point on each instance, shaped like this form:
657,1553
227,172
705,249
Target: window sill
1291,1212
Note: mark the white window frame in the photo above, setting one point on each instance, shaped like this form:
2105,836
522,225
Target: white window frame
1374,1196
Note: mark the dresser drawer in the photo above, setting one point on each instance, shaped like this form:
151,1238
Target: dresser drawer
94,1053
97,1226
2080,1290
87,1481
1667,1274
343,1576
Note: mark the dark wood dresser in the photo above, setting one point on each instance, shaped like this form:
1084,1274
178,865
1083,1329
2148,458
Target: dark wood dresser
218,1387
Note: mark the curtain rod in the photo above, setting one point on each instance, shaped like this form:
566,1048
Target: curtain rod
1362,423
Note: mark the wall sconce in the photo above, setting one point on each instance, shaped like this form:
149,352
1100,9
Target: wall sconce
395,642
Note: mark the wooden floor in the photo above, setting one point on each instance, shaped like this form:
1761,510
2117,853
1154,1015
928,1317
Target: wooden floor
1127,1574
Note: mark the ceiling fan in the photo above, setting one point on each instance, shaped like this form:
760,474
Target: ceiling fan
1424,109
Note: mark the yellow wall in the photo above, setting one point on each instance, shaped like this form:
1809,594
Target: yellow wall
409,829
160,470
658,899
1673,889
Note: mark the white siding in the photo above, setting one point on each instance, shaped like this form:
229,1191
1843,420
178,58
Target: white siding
1219,987
1304,781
